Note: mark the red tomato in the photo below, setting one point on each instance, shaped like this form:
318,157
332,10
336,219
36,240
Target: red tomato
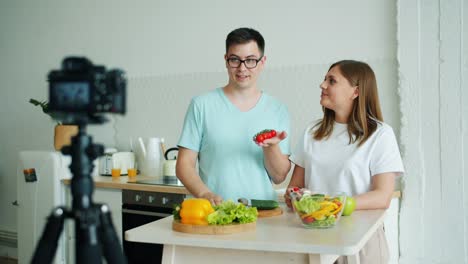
264,134
260,138
308,219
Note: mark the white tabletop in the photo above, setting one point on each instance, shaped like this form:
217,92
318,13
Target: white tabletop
280,233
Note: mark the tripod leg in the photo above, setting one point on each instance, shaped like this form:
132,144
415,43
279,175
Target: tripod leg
45,250
87,247
113,251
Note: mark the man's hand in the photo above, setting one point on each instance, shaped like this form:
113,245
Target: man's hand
276,163
274,140
188,175
212,197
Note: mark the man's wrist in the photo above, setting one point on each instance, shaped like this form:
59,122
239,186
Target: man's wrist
203,193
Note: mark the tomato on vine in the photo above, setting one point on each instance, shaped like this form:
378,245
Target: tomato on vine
263,135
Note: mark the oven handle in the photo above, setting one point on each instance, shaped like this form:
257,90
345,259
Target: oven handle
129,211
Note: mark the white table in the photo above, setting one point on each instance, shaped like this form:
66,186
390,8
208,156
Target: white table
279,239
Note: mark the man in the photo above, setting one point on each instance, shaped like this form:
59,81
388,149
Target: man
219,127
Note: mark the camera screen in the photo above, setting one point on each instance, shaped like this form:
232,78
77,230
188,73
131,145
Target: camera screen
71,95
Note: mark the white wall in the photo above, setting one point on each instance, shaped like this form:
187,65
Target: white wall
433,57
173,50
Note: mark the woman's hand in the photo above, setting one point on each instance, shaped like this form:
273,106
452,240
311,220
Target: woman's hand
287,196
297,182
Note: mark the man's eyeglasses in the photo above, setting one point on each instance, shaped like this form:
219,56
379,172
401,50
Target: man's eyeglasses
249,63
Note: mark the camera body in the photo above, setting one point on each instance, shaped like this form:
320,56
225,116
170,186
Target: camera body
80,88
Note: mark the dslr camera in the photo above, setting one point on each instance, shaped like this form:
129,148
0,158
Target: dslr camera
80,91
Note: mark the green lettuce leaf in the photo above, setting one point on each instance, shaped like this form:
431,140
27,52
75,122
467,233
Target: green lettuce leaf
229,212
307,204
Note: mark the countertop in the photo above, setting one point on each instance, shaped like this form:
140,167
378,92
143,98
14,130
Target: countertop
282,233
124,183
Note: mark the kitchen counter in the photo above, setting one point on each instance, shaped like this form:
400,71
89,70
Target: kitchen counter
123,183
280,239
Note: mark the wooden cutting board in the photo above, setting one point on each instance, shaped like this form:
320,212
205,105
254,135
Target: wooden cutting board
269,213
212,229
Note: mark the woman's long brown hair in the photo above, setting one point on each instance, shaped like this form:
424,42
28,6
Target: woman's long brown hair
366,112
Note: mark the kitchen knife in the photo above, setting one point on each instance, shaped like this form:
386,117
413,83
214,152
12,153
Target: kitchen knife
260,204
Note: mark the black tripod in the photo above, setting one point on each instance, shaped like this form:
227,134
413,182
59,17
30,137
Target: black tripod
94,231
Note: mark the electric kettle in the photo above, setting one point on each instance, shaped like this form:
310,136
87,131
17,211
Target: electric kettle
169,166
150,156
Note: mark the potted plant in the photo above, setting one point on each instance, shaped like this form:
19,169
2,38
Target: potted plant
62,133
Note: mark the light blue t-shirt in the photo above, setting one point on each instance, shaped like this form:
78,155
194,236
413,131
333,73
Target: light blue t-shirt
229,161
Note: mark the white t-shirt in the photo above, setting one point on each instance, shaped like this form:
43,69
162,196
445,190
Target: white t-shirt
333,164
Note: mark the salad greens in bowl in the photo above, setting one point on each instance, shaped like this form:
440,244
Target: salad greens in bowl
317,209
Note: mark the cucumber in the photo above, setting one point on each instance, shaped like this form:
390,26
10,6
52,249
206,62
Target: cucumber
318,195
264,204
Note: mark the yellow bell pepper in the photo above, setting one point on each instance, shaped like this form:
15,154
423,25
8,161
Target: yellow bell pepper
327,205
319,215
326,209
194,211
337,210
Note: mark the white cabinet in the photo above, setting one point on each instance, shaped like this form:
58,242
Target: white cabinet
111,197
39,190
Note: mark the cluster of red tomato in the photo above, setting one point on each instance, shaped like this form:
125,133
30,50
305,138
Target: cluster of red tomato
264,134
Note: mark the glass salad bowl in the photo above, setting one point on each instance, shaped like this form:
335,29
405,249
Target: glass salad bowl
317,209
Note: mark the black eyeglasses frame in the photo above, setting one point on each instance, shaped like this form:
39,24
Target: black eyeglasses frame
243,61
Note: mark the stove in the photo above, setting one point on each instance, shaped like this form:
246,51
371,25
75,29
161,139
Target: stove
142,207
166,180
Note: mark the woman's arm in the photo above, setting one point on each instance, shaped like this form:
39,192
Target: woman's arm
380,195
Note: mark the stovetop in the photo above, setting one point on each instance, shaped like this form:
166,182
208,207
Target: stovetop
164,181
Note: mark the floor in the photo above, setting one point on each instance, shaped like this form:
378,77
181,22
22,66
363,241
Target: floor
6,260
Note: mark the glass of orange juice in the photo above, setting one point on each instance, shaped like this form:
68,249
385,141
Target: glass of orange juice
115,172
132,172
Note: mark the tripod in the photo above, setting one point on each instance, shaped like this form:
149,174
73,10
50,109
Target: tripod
95,234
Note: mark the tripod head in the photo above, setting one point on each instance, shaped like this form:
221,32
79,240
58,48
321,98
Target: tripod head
83,152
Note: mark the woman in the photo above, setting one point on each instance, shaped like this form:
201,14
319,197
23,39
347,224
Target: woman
350,149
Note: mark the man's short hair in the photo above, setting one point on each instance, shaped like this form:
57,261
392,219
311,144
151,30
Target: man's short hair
245,35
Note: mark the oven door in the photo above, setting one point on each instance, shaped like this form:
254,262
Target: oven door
137,215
